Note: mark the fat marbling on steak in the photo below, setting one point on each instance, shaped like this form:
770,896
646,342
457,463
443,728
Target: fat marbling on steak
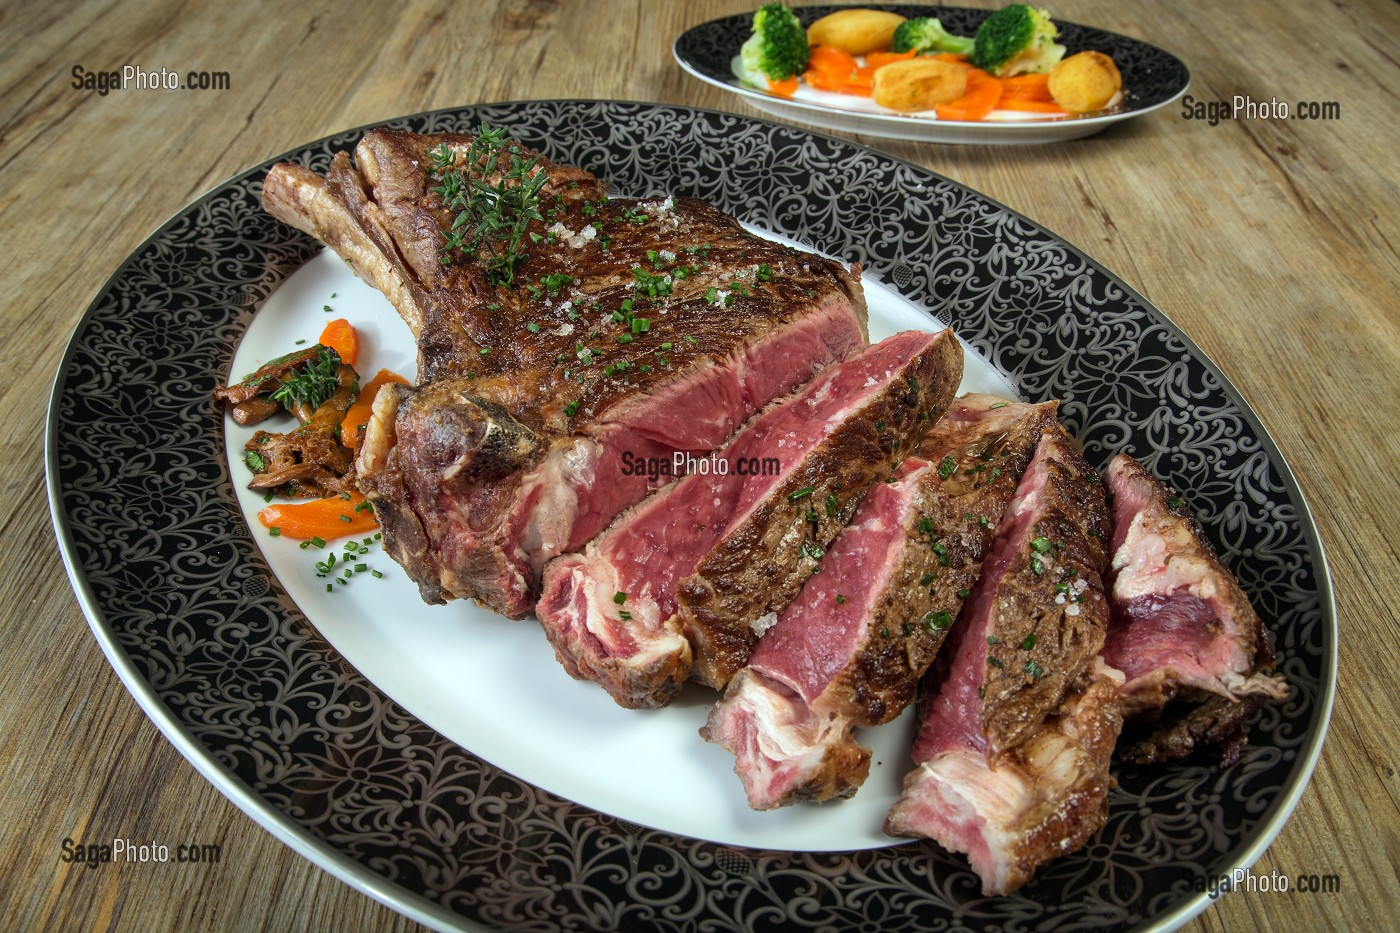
1019,715
680,586
849,651
633,329
1194,652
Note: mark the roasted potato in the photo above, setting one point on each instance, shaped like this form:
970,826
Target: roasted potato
855,31
1085,82
919,83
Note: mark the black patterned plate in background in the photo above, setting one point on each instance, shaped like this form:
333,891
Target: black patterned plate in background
1152,78
182,599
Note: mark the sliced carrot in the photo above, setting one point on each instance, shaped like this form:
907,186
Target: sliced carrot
881,59
784,88
983,93
831,69
327,519
831,60
357,415
853,83
1029,106
1035,87
340,335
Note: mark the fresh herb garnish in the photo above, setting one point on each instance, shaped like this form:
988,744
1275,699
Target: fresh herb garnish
312,384
490,217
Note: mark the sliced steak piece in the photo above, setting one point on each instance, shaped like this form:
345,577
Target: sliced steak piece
1195,654
1043,799
681,584
630,326
849,651
1041,598
1018,718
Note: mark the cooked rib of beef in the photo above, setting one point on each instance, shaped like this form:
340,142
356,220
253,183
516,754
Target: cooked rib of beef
1019,717
1195,654
849,651
632,327
681,585
1042,799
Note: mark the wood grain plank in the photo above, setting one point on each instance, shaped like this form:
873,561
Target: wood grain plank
1273,244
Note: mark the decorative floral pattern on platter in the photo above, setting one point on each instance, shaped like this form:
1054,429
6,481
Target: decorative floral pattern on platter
170,574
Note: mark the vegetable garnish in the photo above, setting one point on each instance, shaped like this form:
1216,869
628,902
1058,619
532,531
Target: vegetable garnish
777,50
1012,64
358,414
321,520
492,206
340,335
312,384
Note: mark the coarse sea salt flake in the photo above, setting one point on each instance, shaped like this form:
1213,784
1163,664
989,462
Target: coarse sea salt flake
764,623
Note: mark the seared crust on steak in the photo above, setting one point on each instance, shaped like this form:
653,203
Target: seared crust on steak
849,651
639,326
732,588
1196,656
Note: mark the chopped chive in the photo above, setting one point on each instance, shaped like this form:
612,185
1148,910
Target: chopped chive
376,574
619,597
318,542
1041,544
1034,669
938,621
1028,642
928,578
799,493
840,599
571,409
994,662
275,532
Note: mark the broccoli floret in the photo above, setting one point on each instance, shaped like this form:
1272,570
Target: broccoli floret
1017,39
926,35
777,50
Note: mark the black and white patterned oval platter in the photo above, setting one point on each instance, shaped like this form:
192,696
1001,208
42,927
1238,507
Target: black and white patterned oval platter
184,603
1152,78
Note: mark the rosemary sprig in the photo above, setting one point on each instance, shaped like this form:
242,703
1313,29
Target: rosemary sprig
312,384
490,217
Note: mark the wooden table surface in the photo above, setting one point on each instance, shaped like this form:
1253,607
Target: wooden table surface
1272,243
